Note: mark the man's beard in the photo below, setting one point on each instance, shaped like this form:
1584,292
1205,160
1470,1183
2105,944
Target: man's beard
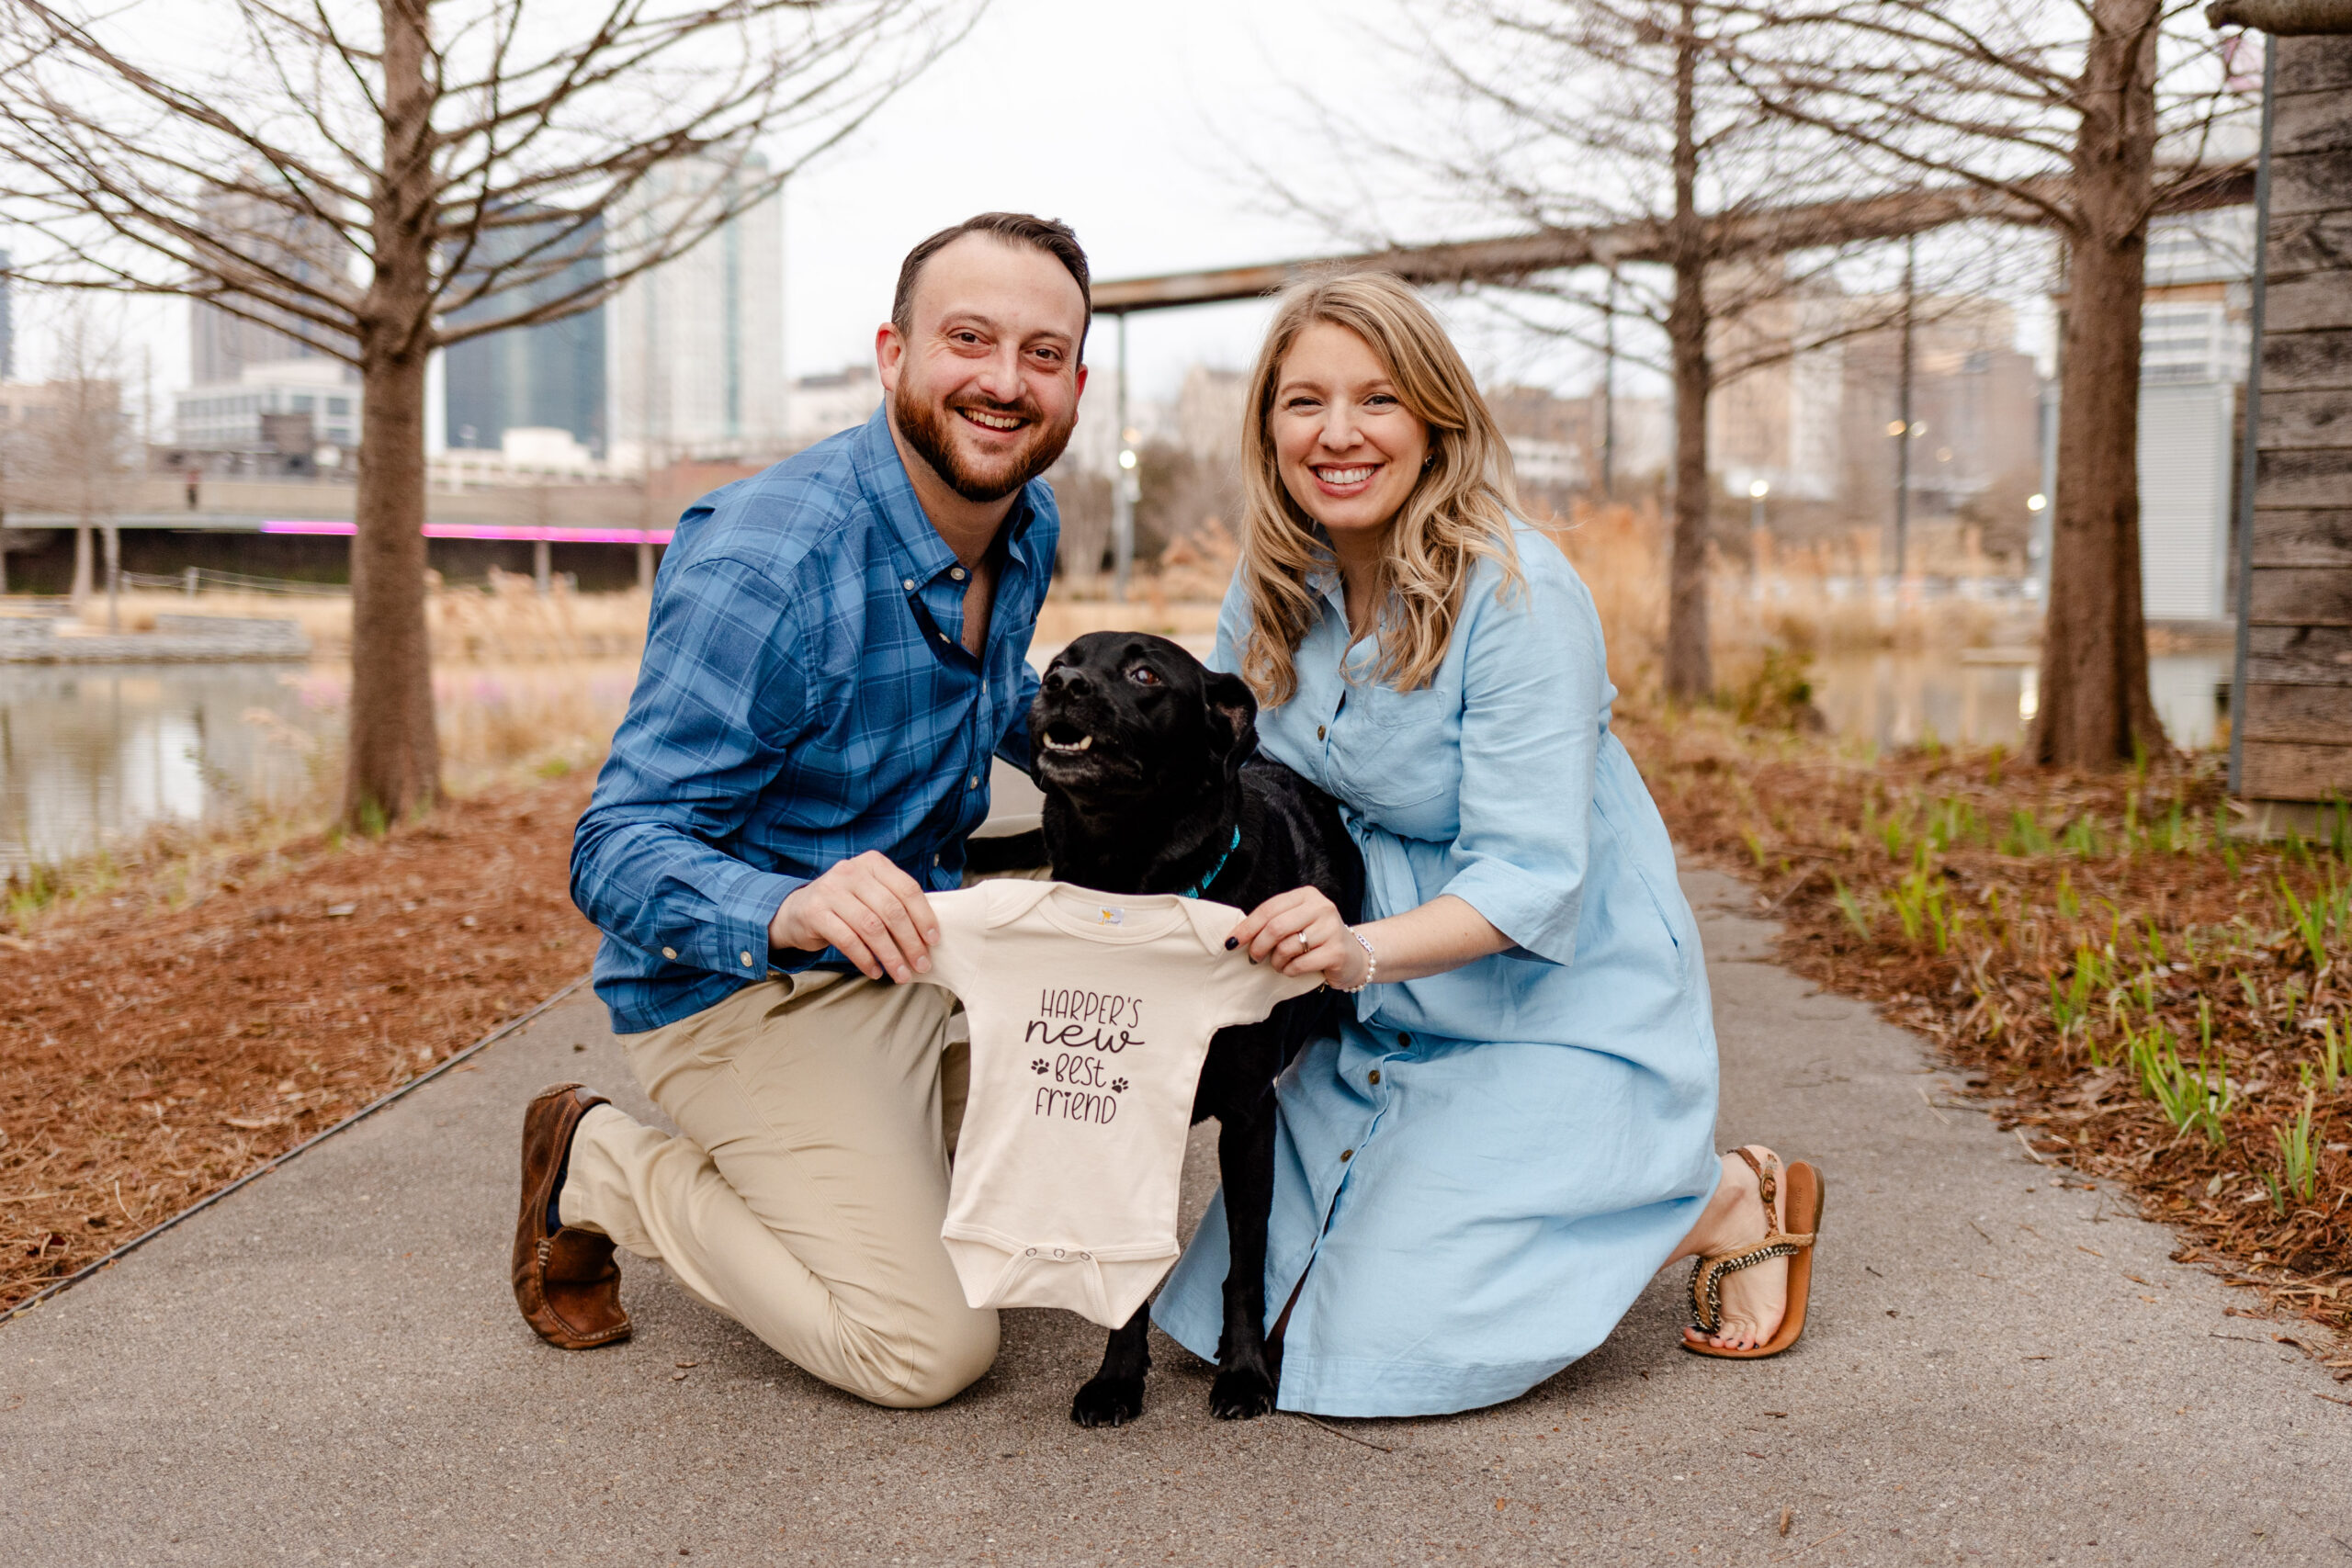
924,422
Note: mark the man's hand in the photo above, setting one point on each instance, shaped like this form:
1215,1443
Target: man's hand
874,913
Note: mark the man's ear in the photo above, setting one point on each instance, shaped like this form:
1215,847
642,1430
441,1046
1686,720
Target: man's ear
1233,718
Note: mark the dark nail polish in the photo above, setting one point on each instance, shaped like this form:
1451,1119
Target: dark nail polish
1231,943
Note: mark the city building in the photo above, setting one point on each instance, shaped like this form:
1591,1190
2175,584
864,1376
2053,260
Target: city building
222,346
287,416
2194,342
831,402
695,348
547,377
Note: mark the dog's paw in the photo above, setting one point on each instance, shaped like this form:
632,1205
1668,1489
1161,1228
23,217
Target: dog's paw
1241,1394
1108,1402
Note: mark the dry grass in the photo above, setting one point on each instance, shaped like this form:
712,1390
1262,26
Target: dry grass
1621,553
2143,996
505,621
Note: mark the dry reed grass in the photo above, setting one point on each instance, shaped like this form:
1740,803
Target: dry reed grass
505,621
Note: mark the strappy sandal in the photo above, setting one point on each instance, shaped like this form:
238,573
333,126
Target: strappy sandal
1803,1207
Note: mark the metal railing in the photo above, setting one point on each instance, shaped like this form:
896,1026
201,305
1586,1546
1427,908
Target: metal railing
198,578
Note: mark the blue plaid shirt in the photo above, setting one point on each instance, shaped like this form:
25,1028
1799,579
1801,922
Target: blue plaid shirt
805,697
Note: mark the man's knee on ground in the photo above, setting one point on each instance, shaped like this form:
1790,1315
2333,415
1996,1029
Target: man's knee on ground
949,1357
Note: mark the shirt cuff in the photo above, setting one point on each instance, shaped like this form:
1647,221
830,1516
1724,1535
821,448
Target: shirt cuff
1530,910
745,908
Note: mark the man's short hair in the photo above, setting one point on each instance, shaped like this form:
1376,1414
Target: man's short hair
1049,235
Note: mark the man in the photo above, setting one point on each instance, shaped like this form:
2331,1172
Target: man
836,649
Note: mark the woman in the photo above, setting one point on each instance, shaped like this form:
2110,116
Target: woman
1476,1179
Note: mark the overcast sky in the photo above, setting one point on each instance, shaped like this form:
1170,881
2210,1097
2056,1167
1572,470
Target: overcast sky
1113,117
1130,122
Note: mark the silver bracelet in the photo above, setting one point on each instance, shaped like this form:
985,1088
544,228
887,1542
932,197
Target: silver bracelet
1369,975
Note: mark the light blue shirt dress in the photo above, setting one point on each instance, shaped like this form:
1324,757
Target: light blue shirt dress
1481,1173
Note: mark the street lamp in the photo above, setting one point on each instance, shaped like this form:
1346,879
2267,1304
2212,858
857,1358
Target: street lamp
1757,490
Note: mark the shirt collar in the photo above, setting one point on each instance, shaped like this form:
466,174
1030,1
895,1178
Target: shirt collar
915,546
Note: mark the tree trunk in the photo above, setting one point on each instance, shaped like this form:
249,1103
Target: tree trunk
83,566
394,764
2095,704
1690,671
114,579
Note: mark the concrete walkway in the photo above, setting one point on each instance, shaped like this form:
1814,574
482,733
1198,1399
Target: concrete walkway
328,1367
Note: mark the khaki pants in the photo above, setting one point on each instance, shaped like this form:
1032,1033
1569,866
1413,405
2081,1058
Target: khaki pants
804,1193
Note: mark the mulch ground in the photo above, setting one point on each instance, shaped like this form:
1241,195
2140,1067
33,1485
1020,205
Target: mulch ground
154,1048
2142,995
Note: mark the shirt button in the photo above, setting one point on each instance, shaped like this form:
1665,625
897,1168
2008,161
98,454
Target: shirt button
1405,1041
934,861
909,585
972,783
1318,732
945,638
669,952
956,572
1374,1076
746,958
1346,1154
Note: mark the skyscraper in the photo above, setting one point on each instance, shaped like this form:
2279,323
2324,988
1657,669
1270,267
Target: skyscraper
695,347
546,376
222,346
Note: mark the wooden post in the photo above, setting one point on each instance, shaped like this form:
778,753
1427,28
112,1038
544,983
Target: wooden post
2294,740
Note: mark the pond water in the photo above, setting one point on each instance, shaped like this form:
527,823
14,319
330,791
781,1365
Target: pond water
93,755
1902,699
96,754
90,754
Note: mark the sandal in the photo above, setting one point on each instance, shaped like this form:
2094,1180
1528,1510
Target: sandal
1803,1205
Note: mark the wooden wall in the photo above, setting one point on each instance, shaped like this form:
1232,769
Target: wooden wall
2298,741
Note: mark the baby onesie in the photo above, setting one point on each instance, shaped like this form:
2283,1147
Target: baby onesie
1090,1015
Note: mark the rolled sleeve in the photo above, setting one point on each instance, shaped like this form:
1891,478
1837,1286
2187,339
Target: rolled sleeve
1535,683
715,708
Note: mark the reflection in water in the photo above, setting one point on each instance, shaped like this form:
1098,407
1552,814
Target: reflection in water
89,753
1900,699
94,755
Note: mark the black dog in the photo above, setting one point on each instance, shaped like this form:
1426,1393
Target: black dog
1148,763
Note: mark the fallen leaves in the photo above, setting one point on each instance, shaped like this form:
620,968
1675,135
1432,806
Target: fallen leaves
157,1054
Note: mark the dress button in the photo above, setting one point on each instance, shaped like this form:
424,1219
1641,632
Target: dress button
1318,732
1346,1154
1030,1253
1059,1253
1374,1076
1405,1041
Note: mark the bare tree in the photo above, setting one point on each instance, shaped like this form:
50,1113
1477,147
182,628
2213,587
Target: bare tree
380,178
76,455
1635,123
1999,95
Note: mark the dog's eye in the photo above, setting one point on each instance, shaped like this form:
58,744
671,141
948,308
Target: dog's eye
1144,675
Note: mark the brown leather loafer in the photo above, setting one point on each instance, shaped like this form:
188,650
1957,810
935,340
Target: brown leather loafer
565,1280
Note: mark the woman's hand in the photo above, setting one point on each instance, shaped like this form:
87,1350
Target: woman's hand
1300,932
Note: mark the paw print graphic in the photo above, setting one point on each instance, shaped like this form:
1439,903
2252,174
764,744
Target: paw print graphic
1118,1086
1041,1066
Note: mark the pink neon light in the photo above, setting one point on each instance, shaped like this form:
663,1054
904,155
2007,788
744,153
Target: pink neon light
490,531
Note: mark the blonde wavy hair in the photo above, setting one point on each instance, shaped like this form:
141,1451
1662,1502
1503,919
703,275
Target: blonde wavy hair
1459,511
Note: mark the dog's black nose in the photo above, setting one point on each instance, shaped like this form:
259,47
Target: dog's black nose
1062,677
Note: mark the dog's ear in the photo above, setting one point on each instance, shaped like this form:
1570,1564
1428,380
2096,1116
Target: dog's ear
1233,718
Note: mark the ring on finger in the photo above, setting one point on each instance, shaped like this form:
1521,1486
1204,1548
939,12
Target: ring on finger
1303,943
